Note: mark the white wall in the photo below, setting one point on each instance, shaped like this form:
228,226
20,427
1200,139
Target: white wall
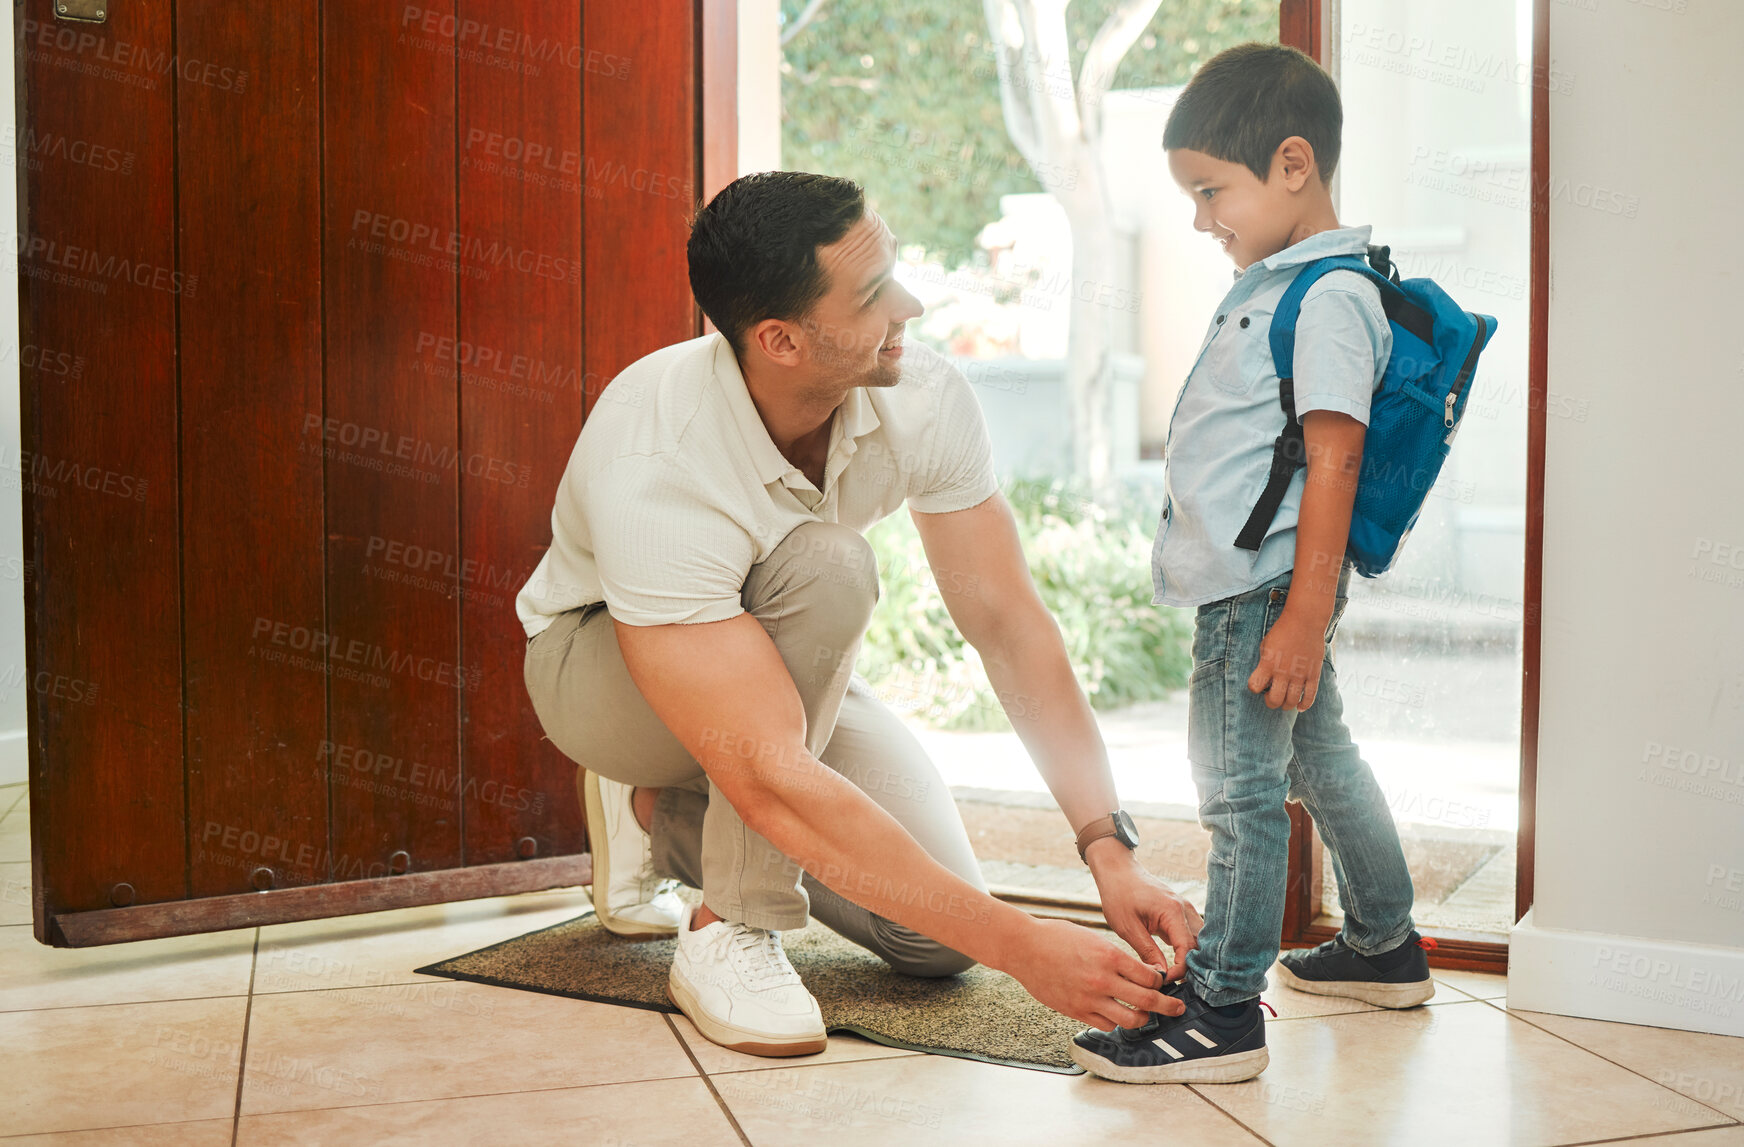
1639,897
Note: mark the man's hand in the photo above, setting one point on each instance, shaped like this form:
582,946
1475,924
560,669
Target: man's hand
1139,907
1079,974
1290,657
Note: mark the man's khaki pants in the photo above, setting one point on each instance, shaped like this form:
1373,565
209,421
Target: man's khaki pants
814,595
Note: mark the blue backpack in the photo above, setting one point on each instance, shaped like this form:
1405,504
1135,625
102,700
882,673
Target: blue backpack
1412,417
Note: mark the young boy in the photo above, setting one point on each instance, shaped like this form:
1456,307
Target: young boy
1254,140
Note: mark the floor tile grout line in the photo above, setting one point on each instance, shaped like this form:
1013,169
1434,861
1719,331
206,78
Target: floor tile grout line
1650,1135
383,1103
732,1119
475,1095
1227,1114
108,1127
1614,1063
829,1062
242,1057
125,1003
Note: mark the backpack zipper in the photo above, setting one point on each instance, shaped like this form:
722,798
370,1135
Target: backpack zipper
1465,371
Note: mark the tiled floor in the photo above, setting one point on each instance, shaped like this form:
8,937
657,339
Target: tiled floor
318,1033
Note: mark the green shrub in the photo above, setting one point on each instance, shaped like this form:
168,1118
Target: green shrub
1092,568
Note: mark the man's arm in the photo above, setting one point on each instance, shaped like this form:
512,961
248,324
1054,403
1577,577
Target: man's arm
1290,655
714,684
978,563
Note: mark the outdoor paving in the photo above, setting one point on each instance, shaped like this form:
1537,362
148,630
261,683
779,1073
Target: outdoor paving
1441,732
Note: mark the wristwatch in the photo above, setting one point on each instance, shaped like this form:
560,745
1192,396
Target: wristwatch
1117,824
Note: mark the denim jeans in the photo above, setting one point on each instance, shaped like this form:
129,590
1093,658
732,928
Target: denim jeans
1247,759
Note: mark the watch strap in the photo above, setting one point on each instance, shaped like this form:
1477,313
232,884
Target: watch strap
1092,832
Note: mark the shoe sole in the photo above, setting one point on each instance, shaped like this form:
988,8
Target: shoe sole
602,875
1212,1069
1407,995
737,1038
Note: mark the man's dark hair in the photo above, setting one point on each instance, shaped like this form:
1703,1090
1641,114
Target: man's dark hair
753,249
1246,100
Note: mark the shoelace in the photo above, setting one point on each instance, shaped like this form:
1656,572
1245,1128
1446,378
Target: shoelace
761,956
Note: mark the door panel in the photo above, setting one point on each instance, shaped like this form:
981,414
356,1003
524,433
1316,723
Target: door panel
98,278
250,214
390,264
338,340
519,360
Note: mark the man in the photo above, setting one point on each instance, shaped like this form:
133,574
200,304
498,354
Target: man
692,633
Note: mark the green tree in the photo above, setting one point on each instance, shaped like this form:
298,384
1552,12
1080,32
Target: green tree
903,96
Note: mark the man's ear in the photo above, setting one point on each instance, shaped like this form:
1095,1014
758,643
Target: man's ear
1294,163
777,340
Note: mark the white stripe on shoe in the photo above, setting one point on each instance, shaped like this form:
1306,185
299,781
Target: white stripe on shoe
1203,1040
1166,1046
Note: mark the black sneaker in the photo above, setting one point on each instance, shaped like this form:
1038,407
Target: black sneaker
1201,1045
1397,978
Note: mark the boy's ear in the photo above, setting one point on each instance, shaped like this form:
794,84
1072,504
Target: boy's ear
1294,163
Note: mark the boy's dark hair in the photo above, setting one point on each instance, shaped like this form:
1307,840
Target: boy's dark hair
753,249
1246,100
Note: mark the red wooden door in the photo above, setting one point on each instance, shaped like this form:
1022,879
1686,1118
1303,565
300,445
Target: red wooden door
345,278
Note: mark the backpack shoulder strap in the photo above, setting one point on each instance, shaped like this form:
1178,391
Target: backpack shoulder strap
1290,449
1283,333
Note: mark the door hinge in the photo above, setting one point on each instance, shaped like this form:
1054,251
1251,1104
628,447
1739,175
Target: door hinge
84,11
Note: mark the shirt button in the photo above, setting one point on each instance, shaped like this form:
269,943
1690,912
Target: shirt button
1220,318
1244,320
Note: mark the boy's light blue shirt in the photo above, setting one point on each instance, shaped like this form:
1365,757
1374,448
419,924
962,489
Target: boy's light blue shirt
1219,448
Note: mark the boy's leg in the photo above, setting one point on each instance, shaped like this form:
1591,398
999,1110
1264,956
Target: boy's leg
1240,752
1339,790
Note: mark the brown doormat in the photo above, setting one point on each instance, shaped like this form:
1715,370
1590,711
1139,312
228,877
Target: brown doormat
980,1014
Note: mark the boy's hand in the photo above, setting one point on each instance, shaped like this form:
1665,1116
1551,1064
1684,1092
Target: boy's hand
1290,657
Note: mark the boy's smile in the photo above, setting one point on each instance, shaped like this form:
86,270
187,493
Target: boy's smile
1249,218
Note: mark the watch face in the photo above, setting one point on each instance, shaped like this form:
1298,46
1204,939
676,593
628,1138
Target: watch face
1124,830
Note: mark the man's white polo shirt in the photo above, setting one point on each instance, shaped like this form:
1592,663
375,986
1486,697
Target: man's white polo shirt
674,489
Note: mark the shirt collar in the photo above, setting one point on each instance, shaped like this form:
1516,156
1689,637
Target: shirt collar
854,419
1339,241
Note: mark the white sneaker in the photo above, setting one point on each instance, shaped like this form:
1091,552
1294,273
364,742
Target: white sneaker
735,984
629,899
